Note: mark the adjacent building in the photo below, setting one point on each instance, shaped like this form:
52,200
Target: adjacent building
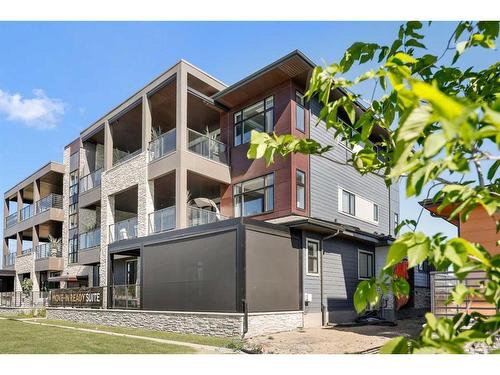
158,202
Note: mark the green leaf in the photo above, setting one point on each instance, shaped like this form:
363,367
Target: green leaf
433,144
360,296
418,252
442,103
396,254
398,345
459,293
431,320
460,47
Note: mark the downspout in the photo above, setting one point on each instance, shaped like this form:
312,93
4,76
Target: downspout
326,238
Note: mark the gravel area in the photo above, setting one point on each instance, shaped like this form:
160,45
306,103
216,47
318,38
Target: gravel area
335,340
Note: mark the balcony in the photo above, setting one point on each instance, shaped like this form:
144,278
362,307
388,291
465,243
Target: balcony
123,230
26,251
47,250
9,260
162,220
90,181
207,147
163,145
48,257
199,216
48,202
11,220
90,239
27,212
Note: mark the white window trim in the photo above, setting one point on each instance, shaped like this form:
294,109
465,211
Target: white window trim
339,208
373,263
308,240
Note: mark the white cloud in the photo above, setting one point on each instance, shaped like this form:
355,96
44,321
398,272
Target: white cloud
39,112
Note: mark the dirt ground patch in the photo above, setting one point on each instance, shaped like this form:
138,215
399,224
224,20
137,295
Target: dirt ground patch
335,340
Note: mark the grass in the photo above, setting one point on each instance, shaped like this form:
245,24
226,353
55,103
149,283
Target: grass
195,339
23,338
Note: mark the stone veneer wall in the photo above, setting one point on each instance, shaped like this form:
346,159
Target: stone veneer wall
200,323
208,324
266,323
125,175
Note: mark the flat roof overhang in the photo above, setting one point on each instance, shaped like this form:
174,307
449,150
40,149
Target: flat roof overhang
48,173
328,228
444,214
7,273
295,65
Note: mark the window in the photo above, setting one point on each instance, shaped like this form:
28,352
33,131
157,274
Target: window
300,182
73,221
312,257
365,264
300,112
348,203
375,212
73,250
259,117
254,196
131,272
95,275
73,208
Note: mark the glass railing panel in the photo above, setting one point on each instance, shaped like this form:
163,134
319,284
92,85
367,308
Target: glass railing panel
207,147
90,181
123,230
46,250
9,259
162,220
162,145
11,220
199,216
90,239
121,156
27,212
48,202
26,251
126,296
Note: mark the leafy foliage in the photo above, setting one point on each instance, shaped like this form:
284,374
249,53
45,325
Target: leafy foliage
433,127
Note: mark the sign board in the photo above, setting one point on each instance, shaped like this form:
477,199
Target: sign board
77,297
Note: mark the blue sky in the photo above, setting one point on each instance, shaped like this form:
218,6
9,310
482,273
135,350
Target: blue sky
57,78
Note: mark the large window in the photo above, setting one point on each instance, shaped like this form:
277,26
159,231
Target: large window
131,272
348,203
254,197
259,117
300,181
300,112
96,280
365,264
312,257
73,250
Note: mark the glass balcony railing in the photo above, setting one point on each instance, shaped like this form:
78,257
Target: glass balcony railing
162,145
199,216
207,147
46,250
123,230
90,239
9,259
120,156
48,202
11,220
162,220
90,181
27,212
26,251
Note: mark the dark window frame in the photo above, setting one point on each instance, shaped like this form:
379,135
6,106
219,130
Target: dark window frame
73,250
316,258
266,188
241,122
298,185
352,203
300,104
371,270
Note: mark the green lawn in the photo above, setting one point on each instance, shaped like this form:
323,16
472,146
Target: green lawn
196,339
23,338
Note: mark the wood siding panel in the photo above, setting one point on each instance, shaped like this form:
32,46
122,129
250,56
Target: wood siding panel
481,228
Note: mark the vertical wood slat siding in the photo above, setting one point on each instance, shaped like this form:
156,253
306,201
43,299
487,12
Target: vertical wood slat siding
327,176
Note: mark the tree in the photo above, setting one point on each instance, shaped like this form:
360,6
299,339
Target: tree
436,124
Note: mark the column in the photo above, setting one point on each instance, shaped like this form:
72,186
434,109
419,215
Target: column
181,197
146,123
108,147
181,144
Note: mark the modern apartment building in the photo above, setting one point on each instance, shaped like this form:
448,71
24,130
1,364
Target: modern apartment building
146,193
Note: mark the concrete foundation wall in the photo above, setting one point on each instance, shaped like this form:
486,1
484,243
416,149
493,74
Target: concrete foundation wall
266,323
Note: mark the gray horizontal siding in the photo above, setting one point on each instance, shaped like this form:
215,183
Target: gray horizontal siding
327,175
